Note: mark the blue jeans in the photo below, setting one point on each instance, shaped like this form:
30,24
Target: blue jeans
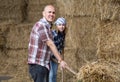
53,71
39,73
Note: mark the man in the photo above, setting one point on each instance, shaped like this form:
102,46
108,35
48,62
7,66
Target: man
41,45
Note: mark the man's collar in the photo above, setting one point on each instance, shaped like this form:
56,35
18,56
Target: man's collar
46,22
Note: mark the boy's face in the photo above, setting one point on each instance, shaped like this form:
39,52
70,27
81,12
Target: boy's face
61,27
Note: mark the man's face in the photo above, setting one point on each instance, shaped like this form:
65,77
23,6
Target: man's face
49,13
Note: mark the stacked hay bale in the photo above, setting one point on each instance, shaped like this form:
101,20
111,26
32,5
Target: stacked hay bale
14,54
2,40
106,69
109,41
14,36
91,30
109,9
13,10
22,10
81,39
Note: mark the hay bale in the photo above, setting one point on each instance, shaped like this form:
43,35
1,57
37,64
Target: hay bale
2,40
81,38
81,41
15,65
34,14
12,10
3,33
78,7
85,28
41,2
16,36
14,54
109,41
34,10
21,30
99,72
103,9
109,9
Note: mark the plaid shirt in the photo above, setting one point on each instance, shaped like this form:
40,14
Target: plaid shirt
58,40
39,52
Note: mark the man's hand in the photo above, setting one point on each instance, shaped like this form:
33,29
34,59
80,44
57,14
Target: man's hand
63,64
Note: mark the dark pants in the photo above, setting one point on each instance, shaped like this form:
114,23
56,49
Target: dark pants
39,73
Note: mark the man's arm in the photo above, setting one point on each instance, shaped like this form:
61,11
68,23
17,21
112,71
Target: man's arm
56,53
54,49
